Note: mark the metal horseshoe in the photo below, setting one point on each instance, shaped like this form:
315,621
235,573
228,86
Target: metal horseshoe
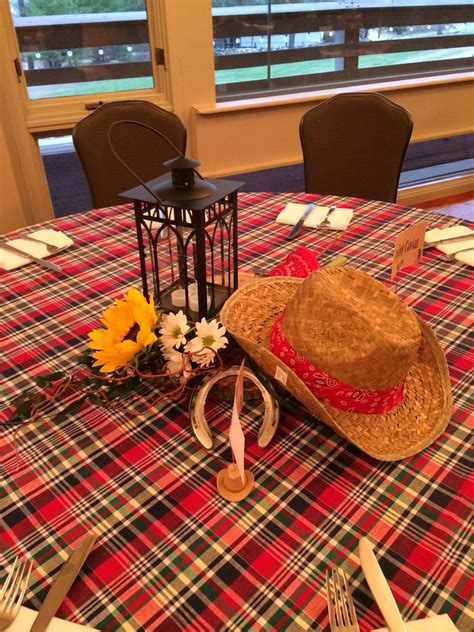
197,401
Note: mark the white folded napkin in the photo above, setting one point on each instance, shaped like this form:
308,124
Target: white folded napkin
11,261
467,256
438,623
25,619
338,220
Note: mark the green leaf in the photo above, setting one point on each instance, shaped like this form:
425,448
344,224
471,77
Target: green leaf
46,380
123,388
74,406
19,399
82,383
86,359
95,399
22,412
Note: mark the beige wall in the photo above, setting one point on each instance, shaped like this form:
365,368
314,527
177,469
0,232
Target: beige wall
229,140
11,210
24,196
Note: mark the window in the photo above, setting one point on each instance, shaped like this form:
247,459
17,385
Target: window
72,47
279,46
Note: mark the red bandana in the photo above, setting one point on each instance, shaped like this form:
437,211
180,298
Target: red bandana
336,393
297,264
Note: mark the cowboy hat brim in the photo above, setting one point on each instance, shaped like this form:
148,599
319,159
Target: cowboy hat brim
249,315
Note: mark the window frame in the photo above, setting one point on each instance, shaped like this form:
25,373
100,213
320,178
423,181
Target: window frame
50,115
346,24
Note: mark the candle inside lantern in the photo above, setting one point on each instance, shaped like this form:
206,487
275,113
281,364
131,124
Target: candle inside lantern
178,298
194,302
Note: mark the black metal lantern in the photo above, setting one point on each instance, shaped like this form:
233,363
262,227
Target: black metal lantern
187,236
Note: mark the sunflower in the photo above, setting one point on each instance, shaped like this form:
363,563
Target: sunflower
128,330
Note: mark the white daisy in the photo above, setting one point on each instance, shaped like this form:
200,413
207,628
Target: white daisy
199,353
174,329
177,363
209,339
211,334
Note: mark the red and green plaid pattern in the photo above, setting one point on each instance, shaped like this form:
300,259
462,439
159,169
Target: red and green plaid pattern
170,553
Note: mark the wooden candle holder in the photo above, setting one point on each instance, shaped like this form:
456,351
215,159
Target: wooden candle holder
229,483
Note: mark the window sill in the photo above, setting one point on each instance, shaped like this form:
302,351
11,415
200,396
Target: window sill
47,117
317,95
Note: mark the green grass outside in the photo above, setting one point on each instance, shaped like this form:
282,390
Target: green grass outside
249,74
328,65
390,59
90,87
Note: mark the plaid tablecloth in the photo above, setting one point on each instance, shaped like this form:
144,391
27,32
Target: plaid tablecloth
171,554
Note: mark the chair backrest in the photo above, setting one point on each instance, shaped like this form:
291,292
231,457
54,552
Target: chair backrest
354,145
140,148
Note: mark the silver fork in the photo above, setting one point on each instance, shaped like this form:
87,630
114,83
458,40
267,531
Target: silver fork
326,221
13,591
342,614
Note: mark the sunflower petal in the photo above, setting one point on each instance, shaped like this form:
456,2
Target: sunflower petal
102,338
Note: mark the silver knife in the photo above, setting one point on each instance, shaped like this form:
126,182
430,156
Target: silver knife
61,584
379,587
297,227
41,262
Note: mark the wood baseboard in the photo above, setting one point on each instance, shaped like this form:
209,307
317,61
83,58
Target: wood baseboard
411,196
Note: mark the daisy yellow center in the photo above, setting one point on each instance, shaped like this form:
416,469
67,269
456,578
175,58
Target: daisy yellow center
177,331
208,341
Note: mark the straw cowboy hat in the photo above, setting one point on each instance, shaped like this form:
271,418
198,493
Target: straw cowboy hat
352,352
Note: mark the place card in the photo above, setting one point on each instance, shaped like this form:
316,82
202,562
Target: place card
408,248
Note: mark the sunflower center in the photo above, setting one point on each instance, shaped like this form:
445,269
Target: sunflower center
132,332
208,341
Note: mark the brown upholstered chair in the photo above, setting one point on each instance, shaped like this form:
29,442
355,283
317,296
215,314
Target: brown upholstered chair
143,150
354,145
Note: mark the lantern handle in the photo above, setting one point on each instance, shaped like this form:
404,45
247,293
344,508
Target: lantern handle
127,167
